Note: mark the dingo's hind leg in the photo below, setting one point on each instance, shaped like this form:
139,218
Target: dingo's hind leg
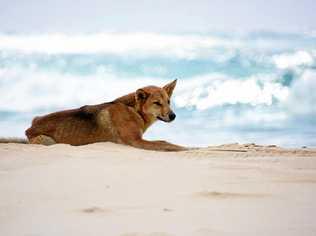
42,139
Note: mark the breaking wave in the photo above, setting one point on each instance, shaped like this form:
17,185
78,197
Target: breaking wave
255,87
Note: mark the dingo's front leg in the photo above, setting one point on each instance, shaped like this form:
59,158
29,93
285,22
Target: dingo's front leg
156,145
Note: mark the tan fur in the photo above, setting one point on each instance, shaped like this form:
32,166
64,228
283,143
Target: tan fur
42,139
122,121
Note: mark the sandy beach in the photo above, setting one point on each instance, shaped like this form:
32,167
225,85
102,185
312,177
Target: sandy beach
109,189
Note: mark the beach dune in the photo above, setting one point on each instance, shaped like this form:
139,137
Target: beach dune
110,189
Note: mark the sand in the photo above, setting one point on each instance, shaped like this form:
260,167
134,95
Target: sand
108,189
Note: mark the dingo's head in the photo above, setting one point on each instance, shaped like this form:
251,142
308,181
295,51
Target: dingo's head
154,102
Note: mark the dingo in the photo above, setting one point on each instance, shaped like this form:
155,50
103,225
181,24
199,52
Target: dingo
123,121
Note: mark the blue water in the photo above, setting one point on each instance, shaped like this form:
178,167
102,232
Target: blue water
255,87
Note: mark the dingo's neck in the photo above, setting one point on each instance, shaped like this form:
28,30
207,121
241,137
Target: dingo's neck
130,101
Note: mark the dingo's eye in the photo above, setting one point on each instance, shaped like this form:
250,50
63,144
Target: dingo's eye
168,101
157,103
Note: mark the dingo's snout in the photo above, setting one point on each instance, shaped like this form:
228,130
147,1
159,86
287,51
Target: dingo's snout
172,116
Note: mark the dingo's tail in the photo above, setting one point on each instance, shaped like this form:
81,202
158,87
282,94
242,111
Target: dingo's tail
13,140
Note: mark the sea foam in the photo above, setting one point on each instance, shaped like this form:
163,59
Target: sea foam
230,87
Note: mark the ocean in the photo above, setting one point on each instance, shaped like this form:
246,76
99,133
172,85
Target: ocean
232,87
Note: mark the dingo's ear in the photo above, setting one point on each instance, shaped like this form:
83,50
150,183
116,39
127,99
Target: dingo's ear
141,95
170,87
